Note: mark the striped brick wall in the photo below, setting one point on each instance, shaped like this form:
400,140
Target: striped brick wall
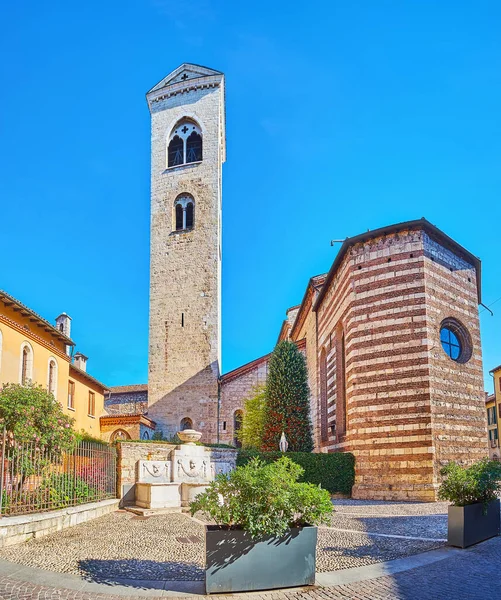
409,407
459,427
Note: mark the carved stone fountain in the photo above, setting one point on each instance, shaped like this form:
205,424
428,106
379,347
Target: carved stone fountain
170,485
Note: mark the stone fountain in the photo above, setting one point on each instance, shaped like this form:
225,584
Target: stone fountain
170,485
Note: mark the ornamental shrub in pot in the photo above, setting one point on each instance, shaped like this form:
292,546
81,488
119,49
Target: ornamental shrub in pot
474,515
265,533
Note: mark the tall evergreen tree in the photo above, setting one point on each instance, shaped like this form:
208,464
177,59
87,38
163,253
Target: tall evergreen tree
287,400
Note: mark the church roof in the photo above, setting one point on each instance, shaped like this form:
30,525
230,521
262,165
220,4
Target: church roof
127,389
417,224
183,75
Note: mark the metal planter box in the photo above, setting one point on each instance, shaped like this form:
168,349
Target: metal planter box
234,562
467,525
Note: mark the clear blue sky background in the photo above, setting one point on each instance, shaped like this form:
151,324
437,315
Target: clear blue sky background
341,116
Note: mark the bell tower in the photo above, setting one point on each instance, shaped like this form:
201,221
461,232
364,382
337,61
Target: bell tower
187,153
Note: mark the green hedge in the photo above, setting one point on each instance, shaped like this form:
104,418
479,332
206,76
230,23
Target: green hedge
335,472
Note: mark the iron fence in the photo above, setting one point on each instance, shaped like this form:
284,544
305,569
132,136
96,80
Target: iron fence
33,479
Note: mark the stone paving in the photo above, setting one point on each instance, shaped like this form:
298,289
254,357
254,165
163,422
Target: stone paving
170,547
466,575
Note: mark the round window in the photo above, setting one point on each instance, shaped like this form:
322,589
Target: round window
455,340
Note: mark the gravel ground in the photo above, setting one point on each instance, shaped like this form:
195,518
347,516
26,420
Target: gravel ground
339,550
382,507
119,545
165,547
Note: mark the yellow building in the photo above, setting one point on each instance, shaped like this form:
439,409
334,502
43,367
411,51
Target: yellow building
492,404
32,349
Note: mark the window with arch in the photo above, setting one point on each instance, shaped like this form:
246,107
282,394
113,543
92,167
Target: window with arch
323,396
186,423
238,418
146,435
185,144
26,364
52,377
184,212
119,435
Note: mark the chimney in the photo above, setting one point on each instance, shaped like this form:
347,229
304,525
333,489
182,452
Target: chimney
63,324
80,361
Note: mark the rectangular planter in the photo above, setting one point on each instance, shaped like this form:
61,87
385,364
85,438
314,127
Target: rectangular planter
234,562
467,525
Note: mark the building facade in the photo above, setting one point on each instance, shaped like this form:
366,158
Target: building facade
187,153
34,350
390,334
493,408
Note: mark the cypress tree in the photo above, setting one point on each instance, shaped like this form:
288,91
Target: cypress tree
287,400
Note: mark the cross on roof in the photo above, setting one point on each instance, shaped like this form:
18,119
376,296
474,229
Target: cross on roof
184,77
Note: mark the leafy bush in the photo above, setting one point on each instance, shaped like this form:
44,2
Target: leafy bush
251,433
469,485
64,489
335,472
264,499
287,400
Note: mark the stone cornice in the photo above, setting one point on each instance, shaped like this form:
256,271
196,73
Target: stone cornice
184,86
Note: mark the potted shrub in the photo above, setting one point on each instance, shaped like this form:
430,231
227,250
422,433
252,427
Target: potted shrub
265,535
474,514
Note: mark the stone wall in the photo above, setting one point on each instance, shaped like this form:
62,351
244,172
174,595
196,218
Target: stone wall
236,386
185,266
14,530
130,453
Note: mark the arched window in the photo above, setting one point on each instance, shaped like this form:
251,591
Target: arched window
26,364
119,435
146,435
237,425
179,217
323,396
52,377
176,151
184,210
189,215
194,147
185,144
186,423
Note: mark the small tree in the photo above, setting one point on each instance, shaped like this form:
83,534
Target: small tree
31,415
287,400
251,432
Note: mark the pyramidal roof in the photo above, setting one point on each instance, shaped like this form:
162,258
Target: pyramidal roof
183,73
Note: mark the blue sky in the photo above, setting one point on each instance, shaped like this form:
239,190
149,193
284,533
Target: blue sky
341,117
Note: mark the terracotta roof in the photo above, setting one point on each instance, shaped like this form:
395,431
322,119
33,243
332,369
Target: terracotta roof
9,300
495,369
127,418
423,224
85,375
489,397
124,389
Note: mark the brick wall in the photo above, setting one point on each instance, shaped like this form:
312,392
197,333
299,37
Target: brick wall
409,407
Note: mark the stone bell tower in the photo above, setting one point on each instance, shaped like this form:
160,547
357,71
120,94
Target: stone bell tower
187,153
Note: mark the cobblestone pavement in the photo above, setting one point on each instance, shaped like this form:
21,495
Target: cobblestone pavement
165,547
467,575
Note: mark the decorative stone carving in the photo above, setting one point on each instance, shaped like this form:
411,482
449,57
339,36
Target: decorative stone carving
154,471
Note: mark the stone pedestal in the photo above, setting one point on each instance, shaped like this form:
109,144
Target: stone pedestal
158,495
189,491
